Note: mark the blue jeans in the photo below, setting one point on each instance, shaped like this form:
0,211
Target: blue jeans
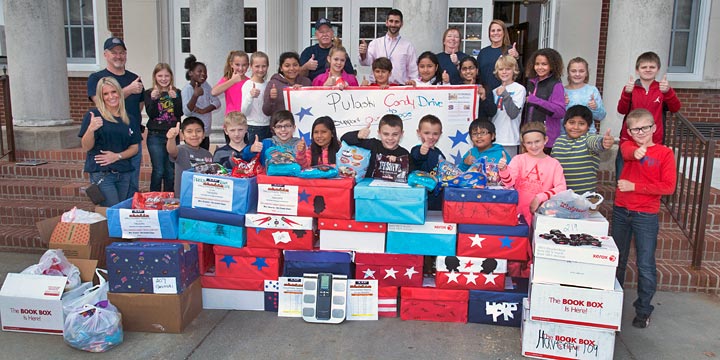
644,227
619,164
163,170
113,185
135,174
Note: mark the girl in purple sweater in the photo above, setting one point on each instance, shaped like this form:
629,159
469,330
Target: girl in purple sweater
546,95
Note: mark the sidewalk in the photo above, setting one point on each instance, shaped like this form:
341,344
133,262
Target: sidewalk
684,326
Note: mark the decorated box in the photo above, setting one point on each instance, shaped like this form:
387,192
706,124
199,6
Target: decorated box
480,206
352,235
298,263
595,225
227,299
151,267
390,202
431,304
219,193
390,269
435,237
458,272
206,257
212,281
211,232
272,287
497,241
280,231
212,216
124,222
248,263
498,308
387,301
286,195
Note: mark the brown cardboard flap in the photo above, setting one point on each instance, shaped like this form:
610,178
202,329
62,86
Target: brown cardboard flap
46,227
87,268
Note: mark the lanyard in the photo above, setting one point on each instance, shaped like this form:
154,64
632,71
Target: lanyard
389,55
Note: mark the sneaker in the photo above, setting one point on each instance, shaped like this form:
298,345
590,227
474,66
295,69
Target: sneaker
641,321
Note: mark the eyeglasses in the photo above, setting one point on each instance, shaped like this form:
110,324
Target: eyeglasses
283,127
470,68
642,129
479,133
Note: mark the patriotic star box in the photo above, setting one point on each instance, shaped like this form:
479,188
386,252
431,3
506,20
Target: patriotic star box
211,232
595,225
280,231
206,257
219,193
584,265
497,241
271,295
127,223
435,237
352,235
212,281
390,202
389,269
576,306
248,263
388,301
151,267
431,304
458,272
480,206
547,340
286,195
498,308
299,262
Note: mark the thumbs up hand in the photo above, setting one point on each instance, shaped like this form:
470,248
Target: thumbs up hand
608,140
365,81
273,92
362,49
172,93
502,164
173,132
257,146
96,122
664,85
155,93
453,57
254,92
364,133
311,64
630,85
567,99
592,104
300,147
425,147
640,152
513,51
445,77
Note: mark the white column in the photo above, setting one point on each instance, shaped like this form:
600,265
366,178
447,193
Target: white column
281,28
36,60
423,23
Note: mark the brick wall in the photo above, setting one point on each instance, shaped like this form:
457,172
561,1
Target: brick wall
115,17
602,45
79,102
700,105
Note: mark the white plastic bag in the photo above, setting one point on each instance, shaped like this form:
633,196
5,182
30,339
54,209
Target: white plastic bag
94,328
54,263
568,205
80,216
90,296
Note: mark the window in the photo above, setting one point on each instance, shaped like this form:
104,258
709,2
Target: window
688,38
469,20
334,14
79,31
372,22
185,29
251,30
547,23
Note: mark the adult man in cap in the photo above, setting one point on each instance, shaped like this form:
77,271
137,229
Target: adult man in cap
400,51
313,59
115,53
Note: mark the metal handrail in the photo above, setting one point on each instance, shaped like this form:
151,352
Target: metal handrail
9,131
694,156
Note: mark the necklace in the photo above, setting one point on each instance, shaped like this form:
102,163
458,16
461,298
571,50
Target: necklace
389,55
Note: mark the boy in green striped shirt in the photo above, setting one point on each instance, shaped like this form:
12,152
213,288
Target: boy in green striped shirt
578,152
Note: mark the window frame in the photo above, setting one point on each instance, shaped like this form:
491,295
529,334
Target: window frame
699,46
93,64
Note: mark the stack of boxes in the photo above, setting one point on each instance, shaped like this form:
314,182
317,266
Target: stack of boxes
575,303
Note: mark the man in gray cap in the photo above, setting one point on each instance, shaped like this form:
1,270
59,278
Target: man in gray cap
313,60
116,56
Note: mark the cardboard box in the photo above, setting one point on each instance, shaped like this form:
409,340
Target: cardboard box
586,265
545,340
455,272
595,225
576,306
498,308
218,193
82,241
352,235
157,312
31,303
480,206
248,263
435,237
383,201
280,232
389,270
126,223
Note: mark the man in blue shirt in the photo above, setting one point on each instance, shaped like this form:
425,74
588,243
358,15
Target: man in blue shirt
313,60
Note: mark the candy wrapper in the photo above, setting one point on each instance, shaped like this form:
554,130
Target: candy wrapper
569,205
392,168
446,172
210,169
94,328
352,161
319,172
489,168
245,169
153,200
424,179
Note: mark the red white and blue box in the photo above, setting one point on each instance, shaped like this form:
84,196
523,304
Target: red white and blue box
352,235
280,231
212,216
435,237
431,304
327,198
248,263
389,202
388,301
480,206
219,193
457,272
496,241
390,269
298,263
127,223
498,308
212,281
211,232
151,267
206,256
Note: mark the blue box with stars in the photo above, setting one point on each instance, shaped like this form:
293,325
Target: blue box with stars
219,193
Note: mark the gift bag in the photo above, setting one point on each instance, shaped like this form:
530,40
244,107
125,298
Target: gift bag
569,205
94,328
90,296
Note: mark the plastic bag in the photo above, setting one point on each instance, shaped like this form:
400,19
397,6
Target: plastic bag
91,296
569,205
319,172
80,216
245,169
352,161
54,263
153,200
94,328
424,179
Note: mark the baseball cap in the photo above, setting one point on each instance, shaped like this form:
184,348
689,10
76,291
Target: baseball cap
322,21
113,42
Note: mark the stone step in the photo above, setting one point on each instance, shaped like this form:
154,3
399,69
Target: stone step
75,155
21,238
58,170
675,275
29,212
43,189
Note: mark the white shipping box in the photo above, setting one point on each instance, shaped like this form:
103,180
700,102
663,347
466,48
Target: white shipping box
367,242
576,306
224,299
586,265
31,303
544,340
595,225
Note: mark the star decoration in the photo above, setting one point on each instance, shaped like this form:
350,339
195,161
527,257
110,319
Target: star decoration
468,264
228,259
506,242
470,278
409,272
305,137
457,158
304,196
459,137
390,273
490,278
369,274
453,277
260,263
476,240
303,111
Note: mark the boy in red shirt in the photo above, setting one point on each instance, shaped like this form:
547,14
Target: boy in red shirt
648,174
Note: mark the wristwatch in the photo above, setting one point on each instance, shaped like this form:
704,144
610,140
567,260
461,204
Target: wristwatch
119,156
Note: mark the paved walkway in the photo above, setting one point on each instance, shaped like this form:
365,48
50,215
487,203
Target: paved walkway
684,326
